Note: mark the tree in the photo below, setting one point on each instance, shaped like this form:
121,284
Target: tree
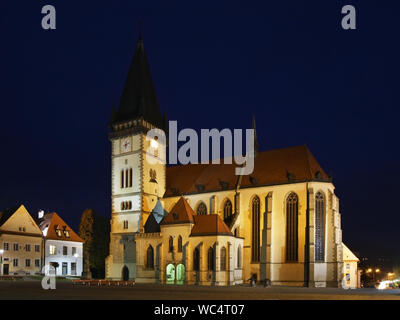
95,231
86,228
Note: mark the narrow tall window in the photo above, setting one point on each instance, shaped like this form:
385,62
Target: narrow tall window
255,241
130,177
150,258
239,257
223,259
228,212
171,244
179,244
292,227
210,259
201,209
319,226
122,179
126,178
196,259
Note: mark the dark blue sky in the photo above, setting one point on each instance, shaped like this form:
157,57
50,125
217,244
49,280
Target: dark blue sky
214,64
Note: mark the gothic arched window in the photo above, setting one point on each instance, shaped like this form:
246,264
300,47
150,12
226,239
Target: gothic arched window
239,257
210,256
319,226
223,259
201,209
196,259
150,258
171,244
255,240
292,208
179,244
228,212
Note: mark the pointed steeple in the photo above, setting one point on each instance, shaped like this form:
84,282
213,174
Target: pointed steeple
253,126
113,115
138,99
165,122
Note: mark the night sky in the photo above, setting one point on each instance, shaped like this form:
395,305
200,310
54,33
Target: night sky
306,80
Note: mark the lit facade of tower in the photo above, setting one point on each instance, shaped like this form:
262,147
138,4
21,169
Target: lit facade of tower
136,183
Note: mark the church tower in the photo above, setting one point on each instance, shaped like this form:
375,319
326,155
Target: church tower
136,183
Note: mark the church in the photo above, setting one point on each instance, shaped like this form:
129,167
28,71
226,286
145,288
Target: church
201,223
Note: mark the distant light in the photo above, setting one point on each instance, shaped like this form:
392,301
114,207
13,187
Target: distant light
45,231
377,270
76,255
40,214
369,270
1,251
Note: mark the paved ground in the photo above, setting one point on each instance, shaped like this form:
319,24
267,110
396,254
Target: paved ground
65,290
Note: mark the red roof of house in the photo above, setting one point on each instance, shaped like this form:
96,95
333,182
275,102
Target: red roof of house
52,221
288,165
180,213
209,224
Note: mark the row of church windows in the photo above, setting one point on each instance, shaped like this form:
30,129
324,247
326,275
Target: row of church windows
171,244
126,178
196,257
228,212
292,212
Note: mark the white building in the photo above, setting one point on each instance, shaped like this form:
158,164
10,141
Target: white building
350,266
63,247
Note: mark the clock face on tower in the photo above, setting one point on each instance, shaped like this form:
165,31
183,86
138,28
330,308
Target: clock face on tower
126,145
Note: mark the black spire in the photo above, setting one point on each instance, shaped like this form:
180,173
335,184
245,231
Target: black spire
139,99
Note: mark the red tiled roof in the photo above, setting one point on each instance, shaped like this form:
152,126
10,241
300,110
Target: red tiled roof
180,213
209,224
288,165
53,221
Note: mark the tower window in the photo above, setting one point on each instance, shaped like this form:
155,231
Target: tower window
125,224
122,179
126,205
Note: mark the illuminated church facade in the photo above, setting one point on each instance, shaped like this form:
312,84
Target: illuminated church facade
201,223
